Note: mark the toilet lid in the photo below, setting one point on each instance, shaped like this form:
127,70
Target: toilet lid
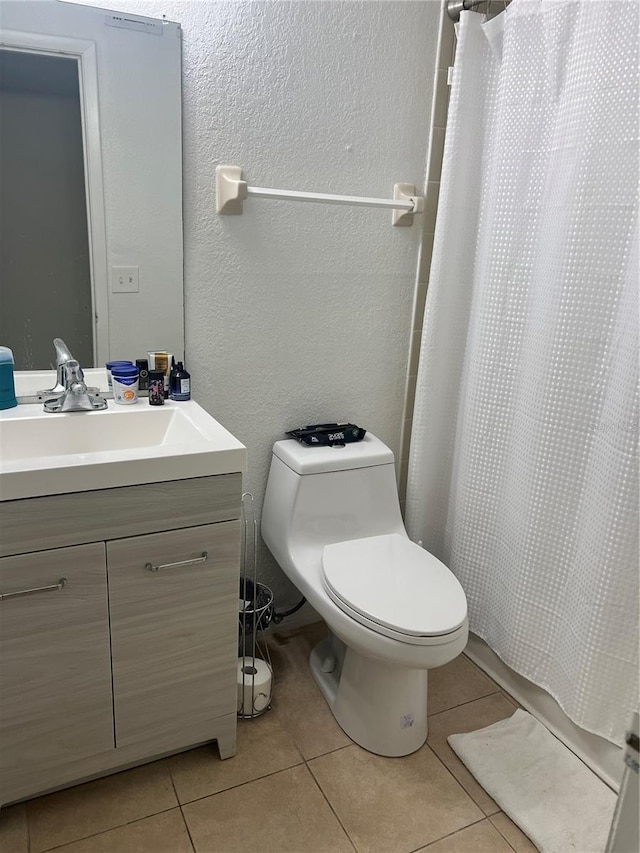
396,584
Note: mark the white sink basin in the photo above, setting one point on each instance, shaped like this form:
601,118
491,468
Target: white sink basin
42,436
46,454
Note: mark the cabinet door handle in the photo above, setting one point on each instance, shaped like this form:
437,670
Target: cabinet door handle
51,588
201,559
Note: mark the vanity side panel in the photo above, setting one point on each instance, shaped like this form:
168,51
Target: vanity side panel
36,524
55,668
174,632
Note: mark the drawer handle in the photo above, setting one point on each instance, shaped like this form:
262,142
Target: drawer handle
201,559
51,588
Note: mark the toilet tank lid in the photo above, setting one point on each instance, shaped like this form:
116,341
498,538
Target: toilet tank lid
317,460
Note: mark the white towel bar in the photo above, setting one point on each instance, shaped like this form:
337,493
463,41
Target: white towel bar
232,190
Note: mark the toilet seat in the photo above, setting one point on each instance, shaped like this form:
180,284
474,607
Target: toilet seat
394,587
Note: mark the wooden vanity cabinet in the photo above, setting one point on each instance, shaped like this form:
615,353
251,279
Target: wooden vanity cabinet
174,626
134,655
55,668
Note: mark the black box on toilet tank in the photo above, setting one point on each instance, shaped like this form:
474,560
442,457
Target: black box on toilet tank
328,435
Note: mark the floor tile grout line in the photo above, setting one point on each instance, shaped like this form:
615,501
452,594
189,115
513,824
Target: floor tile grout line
500,688
331,751
184,820
458,782
241,784
497,829
449,834
103,831
186,824
171,779
481,670
285,729
291,735
26,817
328,801
461,704
468,793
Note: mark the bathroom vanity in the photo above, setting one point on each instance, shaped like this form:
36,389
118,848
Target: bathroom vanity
119,568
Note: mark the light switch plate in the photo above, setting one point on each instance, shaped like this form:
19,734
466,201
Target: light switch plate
125,279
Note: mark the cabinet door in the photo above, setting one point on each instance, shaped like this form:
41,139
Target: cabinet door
174,632
55,672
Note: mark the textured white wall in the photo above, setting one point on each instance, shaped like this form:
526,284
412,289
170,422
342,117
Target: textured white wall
301,313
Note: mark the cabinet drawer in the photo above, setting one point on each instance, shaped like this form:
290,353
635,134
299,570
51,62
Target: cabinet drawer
174,631
38,523
55,674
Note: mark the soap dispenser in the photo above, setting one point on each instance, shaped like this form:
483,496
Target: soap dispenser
7,387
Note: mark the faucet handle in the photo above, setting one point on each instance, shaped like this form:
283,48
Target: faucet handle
73,377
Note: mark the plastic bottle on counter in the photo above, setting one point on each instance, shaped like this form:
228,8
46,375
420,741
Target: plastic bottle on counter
124,383
143,367
109,365
156,388
7,386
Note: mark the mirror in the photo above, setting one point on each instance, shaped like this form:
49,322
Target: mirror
43,209
91,169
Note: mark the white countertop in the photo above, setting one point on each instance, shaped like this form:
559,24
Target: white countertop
48,454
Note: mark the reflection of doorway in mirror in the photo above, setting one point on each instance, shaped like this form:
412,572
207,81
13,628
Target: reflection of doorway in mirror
45,268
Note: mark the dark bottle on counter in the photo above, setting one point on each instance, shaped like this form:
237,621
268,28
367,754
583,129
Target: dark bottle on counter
172,374
156,388
143,368
180,383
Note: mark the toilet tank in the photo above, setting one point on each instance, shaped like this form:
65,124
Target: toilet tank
319,495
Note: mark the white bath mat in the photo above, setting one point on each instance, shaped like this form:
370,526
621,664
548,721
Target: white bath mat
553,797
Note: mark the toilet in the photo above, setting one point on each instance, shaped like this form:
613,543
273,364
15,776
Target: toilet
331,518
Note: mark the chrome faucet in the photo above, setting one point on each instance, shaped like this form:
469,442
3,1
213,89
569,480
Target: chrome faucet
62,355
70,393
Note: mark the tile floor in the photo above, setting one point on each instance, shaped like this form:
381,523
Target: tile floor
297,784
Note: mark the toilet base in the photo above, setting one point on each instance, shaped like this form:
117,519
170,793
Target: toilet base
382,708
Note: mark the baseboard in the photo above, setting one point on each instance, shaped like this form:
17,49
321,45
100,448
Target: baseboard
603,757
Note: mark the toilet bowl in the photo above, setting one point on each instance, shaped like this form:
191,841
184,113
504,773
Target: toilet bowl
331,518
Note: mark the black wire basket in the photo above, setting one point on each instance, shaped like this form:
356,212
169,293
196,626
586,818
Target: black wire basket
255,608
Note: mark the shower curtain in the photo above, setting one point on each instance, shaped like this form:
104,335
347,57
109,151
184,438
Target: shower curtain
523,464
